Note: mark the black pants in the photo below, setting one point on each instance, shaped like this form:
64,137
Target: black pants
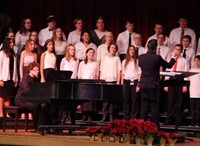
195,110
131,101
58,61
110,108
39,111
175,96
149,102
49,74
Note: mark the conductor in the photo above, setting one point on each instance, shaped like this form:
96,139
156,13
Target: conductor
150,64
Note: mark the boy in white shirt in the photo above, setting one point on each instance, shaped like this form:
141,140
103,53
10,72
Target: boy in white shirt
195,92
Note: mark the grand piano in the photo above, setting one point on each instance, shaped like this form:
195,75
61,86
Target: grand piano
74,89
73,92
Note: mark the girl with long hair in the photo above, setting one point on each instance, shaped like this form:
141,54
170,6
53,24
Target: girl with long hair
8,73
130,76
48,60
88,69
27,56
70,62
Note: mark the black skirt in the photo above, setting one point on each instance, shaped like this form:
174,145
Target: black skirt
8,89
49,74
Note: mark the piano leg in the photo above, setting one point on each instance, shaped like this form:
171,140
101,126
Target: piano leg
73,113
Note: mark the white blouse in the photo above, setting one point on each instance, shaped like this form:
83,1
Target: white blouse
195,84
4,68
73,37
110,68
70,65
131,71
88,71
20,40
81,50
102,51
60,50
28,59
49,60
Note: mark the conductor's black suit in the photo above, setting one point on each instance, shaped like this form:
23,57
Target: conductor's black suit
150,79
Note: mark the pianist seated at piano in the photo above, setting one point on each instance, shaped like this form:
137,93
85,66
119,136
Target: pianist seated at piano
39,111
47,61
88,69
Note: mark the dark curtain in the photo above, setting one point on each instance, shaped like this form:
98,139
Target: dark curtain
144,13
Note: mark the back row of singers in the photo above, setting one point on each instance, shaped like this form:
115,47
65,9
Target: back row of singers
123,40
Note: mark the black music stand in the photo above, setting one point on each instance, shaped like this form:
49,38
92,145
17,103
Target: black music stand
59,75
178,81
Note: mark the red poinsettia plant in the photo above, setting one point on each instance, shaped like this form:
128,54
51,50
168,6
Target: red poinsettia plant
116,127
173,135
105,130
135,127
93,130
126,126
150,128
168,136
164,135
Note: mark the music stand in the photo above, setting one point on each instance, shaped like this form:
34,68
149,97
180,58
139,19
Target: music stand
59,75
178,80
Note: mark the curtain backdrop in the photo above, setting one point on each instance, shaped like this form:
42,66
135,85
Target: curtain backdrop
144,13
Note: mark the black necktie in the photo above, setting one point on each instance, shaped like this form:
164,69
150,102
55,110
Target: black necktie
184,53
50,29
129,39
136,52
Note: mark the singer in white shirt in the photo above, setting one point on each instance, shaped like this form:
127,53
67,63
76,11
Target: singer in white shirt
158,28
123,38
47,32
175,34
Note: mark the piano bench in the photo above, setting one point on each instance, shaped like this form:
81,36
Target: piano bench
16,111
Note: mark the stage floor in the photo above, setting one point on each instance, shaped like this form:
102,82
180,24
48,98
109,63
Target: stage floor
78,138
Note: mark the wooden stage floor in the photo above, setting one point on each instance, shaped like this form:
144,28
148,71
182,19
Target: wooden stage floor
78,138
